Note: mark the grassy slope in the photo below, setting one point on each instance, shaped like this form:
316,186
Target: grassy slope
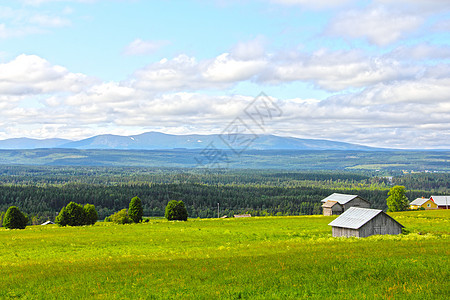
285,257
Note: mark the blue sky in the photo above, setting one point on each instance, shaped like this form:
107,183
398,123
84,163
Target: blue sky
369,72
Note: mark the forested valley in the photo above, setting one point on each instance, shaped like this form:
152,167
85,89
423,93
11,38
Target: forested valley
41,191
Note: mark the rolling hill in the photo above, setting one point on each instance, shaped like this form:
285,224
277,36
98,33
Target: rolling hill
162,141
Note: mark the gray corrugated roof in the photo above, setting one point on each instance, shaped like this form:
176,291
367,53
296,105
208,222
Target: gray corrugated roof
339,198
355,217
419,201
441,200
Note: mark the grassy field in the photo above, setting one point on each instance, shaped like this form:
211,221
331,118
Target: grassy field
257,258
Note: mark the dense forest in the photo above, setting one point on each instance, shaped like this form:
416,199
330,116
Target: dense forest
41,191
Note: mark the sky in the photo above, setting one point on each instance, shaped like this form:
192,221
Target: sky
373,72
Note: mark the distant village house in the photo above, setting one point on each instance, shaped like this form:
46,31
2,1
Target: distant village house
336,203
443,202
364,222
425,203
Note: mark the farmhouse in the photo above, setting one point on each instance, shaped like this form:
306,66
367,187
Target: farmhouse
443,202
336,203
364,222
426,203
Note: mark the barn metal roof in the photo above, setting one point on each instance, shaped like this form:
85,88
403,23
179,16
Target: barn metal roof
355,217
340,198
441,200
419,201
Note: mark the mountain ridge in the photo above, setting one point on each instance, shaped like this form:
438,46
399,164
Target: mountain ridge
160,141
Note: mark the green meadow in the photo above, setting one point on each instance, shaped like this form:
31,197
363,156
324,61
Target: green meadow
249,258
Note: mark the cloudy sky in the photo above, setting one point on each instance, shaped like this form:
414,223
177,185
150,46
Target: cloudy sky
373,72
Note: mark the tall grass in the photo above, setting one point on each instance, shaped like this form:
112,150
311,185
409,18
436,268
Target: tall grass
257,258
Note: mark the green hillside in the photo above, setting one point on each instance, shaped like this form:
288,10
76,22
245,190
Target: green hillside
249,159
252,258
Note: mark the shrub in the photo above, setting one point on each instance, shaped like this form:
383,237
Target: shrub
121,217
91,214
175,210
2,215
15,219
135,210
75,214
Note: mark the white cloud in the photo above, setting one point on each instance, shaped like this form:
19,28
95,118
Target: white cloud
317,4
330,70
420,52
48,21
23,21
378,25
39,2
416,6
186,73
8,32
249,50
442,26
181,72
402,93
424,91
141,47
224,68
30,74
335,70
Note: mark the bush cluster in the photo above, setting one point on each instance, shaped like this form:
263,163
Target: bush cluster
14,219
120,217
75,214
132,215
176,210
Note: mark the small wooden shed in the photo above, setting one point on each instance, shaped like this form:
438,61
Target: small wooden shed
364,222
337,203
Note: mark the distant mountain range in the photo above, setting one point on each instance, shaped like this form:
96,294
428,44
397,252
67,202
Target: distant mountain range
162,141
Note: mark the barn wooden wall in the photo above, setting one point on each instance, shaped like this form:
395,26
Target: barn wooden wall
381,224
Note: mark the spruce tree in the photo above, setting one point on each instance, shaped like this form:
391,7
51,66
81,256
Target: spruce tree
135,210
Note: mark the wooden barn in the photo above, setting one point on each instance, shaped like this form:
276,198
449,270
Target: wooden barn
364,222
336,203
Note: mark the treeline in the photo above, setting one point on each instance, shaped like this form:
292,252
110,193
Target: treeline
41,192
201,200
